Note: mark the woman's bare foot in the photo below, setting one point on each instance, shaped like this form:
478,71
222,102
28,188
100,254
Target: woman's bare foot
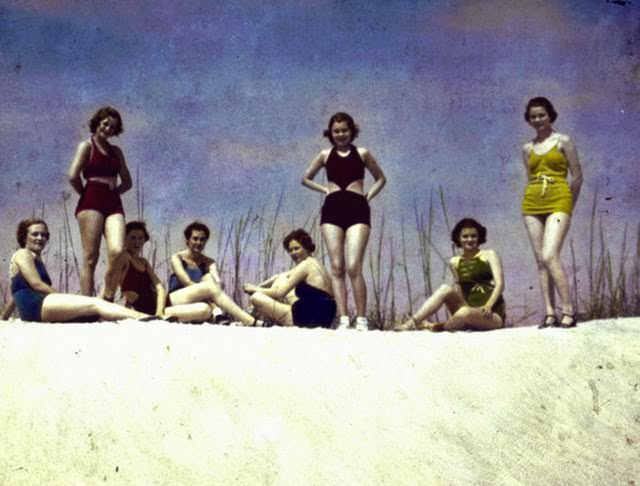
408,325
431,326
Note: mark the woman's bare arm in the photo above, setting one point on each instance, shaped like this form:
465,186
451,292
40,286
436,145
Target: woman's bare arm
125,175
374,168
311,171
27,266
77,164
571,153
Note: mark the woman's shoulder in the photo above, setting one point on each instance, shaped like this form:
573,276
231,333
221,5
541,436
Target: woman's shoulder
22,256
454,260
363,152
563,139
527,147
487,253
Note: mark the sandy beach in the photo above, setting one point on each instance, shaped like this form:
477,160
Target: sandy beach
157,403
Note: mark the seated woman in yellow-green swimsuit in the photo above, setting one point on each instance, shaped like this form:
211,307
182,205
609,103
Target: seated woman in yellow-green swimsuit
476,301
547,205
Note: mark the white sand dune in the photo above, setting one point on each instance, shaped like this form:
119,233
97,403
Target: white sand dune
157,403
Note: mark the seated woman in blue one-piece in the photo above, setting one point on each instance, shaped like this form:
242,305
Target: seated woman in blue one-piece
33,294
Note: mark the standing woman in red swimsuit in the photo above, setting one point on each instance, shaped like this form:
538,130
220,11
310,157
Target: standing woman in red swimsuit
345,220
99,210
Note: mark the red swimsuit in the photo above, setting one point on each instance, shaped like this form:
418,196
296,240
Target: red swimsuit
98,195
140,282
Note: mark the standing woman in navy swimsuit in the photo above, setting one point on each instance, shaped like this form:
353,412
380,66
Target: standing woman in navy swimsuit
345,220
99,210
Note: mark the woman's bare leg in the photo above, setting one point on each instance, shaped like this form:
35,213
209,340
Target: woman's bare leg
555,230
445,295
334,237
91,226
356,239
67,307
198,312
208,289
473,317
114,232
272,309
536,228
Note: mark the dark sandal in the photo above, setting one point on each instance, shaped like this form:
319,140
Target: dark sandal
572,321
550,320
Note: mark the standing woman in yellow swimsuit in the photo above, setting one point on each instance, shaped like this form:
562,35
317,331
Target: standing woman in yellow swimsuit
547,205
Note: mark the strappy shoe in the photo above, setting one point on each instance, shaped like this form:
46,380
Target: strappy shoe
550,320
572,321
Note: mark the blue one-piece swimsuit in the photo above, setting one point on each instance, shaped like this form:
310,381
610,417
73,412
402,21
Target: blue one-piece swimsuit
195,274
28,301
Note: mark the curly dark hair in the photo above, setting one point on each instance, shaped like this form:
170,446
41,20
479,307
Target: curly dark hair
196,226
468,223
544,103
137,225
103,113
302,237
23,229
342,117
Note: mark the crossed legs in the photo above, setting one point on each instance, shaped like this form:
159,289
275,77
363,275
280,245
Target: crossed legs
547,234
189,304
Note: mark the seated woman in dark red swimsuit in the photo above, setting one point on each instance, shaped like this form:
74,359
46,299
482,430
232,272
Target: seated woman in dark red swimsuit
345,220
99,210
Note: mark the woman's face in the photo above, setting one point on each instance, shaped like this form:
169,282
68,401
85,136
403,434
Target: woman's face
539,118
135,241
197,241
37,237
297,252
107,127
469,239
341,134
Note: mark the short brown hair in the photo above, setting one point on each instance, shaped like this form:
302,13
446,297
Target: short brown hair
23,229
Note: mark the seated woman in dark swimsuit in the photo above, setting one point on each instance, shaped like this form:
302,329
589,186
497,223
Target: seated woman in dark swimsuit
195,287
476,301
31,286
312,304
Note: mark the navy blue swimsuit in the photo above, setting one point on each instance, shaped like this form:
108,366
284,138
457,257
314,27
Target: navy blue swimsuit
28,301
314,307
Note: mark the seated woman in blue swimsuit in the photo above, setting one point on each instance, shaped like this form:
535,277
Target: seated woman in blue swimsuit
476,301
345,219
300,297
195,287
31,286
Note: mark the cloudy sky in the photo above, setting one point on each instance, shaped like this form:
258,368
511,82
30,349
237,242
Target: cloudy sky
224,103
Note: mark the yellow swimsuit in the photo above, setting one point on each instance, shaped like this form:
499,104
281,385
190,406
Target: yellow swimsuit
548,190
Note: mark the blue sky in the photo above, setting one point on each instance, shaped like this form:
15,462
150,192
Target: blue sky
224,103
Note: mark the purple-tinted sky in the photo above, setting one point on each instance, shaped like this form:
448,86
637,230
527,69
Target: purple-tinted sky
224,103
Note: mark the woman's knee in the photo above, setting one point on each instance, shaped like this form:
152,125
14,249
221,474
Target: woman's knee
257,299
337,270
214,289
446,290
354,270
549,259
